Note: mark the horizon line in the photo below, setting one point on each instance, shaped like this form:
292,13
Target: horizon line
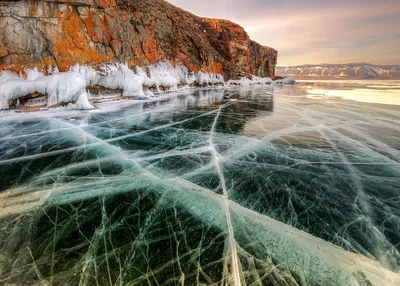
354,63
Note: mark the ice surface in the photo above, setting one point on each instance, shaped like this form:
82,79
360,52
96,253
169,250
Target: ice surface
262,186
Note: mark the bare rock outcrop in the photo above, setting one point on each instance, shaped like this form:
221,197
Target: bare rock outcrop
61,33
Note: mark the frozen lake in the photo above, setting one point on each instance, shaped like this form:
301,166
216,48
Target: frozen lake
283,185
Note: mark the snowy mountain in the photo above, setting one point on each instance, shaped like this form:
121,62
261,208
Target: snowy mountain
340,71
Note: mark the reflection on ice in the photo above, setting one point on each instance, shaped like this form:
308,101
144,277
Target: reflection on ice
383,92
237,187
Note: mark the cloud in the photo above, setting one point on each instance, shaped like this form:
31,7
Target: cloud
312,31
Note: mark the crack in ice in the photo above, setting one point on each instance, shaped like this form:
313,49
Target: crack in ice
231,239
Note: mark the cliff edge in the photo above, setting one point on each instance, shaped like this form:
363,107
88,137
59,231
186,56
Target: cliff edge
61,33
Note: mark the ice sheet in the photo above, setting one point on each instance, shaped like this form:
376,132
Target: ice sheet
262,186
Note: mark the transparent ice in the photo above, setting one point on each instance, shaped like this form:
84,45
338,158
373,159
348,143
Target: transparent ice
278,185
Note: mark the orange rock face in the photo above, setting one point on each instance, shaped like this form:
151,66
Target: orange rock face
138,32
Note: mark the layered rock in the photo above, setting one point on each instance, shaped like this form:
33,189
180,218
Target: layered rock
138,32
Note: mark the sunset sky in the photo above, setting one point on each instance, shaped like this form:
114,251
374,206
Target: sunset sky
314,31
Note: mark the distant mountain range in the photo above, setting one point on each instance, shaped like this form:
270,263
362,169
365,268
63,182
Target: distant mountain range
340,71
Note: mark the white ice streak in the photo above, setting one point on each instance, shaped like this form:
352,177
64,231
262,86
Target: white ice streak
310,256
231,238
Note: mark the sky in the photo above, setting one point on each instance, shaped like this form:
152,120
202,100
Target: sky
314,31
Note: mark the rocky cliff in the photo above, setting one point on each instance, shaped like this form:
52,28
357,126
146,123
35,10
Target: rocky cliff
139,32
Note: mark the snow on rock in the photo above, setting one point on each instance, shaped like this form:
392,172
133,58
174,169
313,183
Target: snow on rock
60,87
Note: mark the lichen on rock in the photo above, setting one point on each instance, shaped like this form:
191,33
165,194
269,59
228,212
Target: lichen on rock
141,33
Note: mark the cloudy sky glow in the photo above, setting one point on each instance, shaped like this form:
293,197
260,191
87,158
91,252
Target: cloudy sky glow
314,31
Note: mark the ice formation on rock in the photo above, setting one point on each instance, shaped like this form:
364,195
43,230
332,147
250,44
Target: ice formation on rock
83,102
7,75
113,76
33,74
91,76
158,78
204,78
165,75
287,80
258,81
59,87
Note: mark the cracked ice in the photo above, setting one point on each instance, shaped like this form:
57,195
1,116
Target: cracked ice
277,185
